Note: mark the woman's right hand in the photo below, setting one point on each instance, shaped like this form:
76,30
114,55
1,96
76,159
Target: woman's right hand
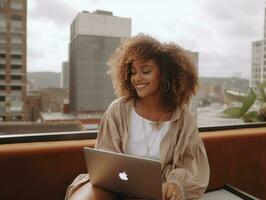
171,192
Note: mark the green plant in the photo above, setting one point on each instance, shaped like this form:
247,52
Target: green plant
251,107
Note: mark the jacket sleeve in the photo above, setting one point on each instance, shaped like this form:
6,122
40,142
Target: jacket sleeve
108,137
190,168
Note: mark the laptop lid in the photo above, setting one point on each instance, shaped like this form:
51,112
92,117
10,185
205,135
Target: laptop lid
126,174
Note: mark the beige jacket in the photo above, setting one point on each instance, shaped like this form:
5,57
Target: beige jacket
182,152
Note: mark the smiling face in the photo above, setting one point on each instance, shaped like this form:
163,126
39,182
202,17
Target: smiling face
145,78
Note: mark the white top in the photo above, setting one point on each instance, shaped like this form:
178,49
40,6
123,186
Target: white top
145,136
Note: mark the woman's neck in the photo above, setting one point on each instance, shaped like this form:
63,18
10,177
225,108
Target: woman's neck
152,109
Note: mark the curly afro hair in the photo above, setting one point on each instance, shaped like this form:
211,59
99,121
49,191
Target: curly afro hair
179,77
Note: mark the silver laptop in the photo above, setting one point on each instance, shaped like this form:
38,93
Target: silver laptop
129,175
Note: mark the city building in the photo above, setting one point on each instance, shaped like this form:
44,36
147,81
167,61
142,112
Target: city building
34,105
258,65
13,18
94,36
64,82
46,100
194,101
52,99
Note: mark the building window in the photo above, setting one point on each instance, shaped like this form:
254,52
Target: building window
16,66
16,38
2,56
16,17
16,56
3,4
15,98
16,87
16,77
16,48
2,98
16,5
2,37
16,24
2,22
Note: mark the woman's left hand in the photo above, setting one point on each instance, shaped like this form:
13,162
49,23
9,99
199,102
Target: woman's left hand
171,192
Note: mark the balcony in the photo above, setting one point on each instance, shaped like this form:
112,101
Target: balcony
2,72
16,72
16,51
16,41
2,82
16,62
3,93
2,61
16,82
236,157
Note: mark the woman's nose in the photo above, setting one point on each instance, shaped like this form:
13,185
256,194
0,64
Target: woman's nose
138,77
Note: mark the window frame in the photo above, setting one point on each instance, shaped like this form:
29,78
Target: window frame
92,134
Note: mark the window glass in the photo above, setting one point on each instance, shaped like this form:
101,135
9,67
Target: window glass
16,5
59,70
3,4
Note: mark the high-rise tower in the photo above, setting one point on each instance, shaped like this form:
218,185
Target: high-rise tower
13,47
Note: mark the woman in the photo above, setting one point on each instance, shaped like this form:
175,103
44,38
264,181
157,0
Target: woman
155,82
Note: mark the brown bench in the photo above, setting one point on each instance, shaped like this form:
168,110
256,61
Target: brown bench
43,170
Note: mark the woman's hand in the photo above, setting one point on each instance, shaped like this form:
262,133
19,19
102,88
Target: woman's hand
171,192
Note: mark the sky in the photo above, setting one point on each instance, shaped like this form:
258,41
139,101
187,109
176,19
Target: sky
220,31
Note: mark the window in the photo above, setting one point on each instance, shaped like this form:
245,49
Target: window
16,87
3,4
16,5
2,22
2,37
16,66
2,98
16,48
16,38
16,77
16,24
226,59
16,56
16,17
2,47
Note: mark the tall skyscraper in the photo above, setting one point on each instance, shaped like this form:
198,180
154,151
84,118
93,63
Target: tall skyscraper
13,18
64,82
258,65
94,37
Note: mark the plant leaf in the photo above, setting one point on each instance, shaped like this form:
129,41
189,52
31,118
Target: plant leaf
234,95
233,112
252,116
248,102
261,90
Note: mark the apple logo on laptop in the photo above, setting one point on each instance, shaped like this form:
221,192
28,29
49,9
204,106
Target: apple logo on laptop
123,176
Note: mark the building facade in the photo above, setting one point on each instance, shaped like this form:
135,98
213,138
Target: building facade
94,37
193,106
258,65
13,47
64,80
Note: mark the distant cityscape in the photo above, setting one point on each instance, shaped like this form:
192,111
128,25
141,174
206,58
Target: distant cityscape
75,99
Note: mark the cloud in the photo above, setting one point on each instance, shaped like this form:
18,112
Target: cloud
57,11
220,31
